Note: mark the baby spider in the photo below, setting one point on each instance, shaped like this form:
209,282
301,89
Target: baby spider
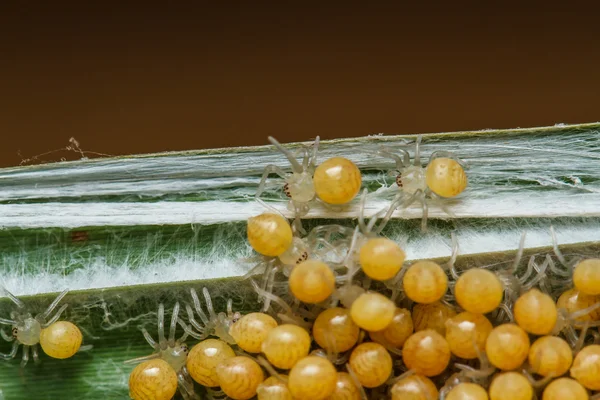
167,351
298,186
213,324
59,339
335,182
443,178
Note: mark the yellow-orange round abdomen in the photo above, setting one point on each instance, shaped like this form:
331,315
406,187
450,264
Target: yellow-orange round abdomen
586,276
153,380
372,311
239,377
414,387
478,291
467,333
426,352
565,389
510,386
381,258
535,312
61,340
550,355
507,346
446,177
312,281
425,282
269,234
371,363
312,378
204,358
334,330
337,180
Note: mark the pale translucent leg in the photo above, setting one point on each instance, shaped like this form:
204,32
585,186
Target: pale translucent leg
25,358
85,348
173,325
13,352
295,165
557,251
269,169
519,253
56,316
400,201
186,385
418,151
162,342
352,374
453,257
4,321
149,339
401,163
6,336
35,354
138,360
313,159
198,308
195,324
44,316
209,305
12,297
361,212
539,278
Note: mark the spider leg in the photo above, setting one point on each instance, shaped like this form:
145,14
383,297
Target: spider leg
6,336
25,358
401,163
295,165
313,159
453,257
192,320
557,251
269,169
209,305
173,326
13,352
229,308
55,317
186,329
12,297
198,307
186,386
418,151
162,342
421,197
361,212
4,321
138,360
149,339
53,305
35,354
396,202
86,347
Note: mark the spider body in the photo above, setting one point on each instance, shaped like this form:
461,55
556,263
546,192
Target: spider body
174,352
58,339
443,177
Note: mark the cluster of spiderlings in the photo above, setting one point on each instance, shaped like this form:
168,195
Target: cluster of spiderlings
344,316
58,339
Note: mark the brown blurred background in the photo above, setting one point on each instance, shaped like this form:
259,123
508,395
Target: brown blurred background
127,79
